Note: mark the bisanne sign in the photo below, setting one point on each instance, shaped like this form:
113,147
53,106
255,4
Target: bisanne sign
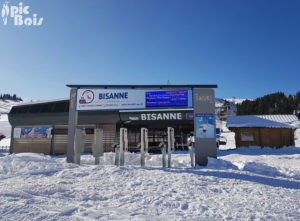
128,99
157,116
162,116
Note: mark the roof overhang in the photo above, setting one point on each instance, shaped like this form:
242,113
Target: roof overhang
143,86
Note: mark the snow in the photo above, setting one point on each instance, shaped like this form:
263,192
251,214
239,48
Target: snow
6,105
242,184
272,121
5,127
31,102
237,100
219,102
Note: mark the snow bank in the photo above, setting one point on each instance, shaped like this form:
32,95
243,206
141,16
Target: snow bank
5,127
252,184
30,164
5,142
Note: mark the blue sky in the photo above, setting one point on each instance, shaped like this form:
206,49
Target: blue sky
249,48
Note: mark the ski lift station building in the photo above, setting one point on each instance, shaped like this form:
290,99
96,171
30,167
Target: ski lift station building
46,127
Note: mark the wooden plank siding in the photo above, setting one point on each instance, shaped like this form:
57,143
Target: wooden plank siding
265,137
60,142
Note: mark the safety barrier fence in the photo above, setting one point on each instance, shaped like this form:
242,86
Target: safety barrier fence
4,148
120,148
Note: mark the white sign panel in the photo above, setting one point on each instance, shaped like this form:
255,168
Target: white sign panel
17,132
109,99
122,99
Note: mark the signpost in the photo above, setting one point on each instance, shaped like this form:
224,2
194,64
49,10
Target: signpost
204,125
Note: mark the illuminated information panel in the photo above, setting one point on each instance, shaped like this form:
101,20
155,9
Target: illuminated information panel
167,98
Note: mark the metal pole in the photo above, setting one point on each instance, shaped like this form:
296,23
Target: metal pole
97,160
117,156
170,144
192,155
163,150
146,141
72,123
191,147
52,141
97,147
11,139
123,138
144,144
79,144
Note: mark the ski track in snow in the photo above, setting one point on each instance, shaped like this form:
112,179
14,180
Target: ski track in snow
243,184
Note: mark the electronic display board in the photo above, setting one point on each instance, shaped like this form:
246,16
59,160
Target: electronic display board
167,98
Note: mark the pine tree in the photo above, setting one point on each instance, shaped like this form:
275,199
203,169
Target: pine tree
276,103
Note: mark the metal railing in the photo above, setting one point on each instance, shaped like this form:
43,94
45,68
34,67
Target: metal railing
4,148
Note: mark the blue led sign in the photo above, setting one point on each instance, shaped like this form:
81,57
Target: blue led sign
167,98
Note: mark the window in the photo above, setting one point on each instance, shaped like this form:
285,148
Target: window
22,110
60,107
46,108
35,108
247,136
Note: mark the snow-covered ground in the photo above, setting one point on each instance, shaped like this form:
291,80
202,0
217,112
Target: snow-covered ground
242,184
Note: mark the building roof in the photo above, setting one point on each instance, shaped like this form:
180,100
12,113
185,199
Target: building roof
56,106
145,86
42,101
270,121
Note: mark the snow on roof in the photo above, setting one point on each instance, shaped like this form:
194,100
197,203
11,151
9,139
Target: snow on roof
6,105
272,121
42,101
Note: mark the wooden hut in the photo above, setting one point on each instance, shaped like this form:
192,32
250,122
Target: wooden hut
263,130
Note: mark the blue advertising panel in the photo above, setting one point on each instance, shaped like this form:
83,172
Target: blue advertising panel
128,99
205,126
29,132
167,98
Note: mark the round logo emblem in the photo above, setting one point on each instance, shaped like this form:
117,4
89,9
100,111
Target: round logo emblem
87,97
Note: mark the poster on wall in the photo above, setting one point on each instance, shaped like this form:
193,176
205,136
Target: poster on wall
204,124
39,132
17,132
